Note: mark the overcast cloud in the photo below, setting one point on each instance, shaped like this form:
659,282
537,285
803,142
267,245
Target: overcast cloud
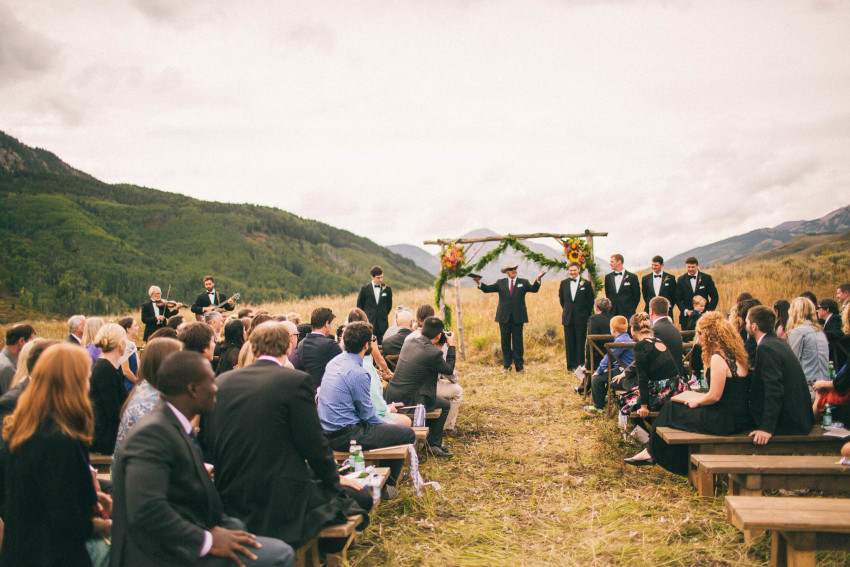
668,124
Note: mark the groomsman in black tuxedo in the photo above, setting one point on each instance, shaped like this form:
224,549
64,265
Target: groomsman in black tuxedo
376,300
694,282
622,288
658,283
511,313
208,299
576,295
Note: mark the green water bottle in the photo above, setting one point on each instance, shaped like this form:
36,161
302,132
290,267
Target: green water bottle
359,461
831,371
827,415
703,385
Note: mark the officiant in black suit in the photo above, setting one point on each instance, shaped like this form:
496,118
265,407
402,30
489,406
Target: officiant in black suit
511,313
576,295
209,299
376,300
694,282
622,288
658,283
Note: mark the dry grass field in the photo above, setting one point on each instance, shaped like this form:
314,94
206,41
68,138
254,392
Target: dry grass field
534,480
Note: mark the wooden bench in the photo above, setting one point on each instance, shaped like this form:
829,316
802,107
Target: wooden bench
749,475
409,410
798,526
103,463
812,444
373,456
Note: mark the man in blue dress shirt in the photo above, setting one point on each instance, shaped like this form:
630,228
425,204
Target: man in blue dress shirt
345,408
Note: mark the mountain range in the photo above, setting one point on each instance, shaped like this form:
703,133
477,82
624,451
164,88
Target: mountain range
72,243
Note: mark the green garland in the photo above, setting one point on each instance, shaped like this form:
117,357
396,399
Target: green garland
490,256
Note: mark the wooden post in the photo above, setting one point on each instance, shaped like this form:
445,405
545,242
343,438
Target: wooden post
588,237
461,345
442,306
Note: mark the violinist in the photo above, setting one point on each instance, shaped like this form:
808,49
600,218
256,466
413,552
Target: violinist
156,312
210,299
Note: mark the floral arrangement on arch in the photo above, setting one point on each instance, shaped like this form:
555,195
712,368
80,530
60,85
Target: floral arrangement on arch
452,259
576,250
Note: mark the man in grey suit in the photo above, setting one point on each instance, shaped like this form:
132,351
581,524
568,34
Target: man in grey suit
415,379
511,313
166,510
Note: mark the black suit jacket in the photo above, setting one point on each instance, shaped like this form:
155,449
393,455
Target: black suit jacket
576,312
665,330
415,378
511,306
393,344
150,321
378,313
267,445
779,396
685,294
164,499
203,300
315,351
668,290
625,301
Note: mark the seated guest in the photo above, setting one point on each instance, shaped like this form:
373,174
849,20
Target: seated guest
256,321
345,407
292,329
303,329
318,348
415,380
167,511
234,338
388,413
144,396
49,496
657,374
245,313
29,356
780,309
93,325
779,395
273,465
76,328
198,337
810,296
16,337
831,321
835,392
722,410
129,361
175,322
599,379
216,320
107,391
598,324
742,309
164,333
295,317
404,326
807,341
693,317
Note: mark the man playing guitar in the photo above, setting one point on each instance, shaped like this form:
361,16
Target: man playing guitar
211,299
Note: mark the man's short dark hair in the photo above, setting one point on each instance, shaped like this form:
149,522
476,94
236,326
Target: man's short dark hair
692,260
196,336
618,257
763,317
179,370
603,304
18,332
844,288
659,306
244,312
304,330
356,336
829,304
209,278
432,327
376,271
424,311
270,338
320,316
658,259
35,352
576,264
163,333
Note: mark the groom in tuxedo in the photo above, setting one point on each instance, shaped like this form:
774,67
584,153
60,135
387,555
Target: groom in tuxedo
576,295
658,283
511,313
622,288
376,300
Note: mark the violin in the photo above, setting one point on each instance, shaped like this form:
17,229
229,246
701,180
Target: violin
170,303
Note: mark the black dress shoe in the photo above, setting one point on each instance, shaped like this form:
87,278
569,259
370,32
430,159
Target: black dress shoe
639,462
579,389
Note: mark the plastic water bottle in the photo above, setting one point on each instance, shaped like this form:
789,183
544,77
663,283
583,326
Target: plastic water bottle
827,415
703,385
831,371
359,462
352,452
419,416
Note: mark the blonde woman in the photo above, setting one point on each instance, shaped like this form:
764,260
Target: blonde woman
107,391
23,368
93,325
807,340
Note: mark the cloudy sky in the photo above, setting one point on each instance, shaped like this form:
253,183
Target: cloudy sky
669,124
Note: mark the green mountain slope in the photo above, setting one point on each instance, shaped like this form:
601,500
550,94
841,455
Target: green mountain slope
804,245
71,243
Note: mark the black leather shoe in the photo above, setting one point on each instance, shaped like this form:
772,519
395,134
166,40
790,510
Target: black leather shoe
579,390
639,462
440,451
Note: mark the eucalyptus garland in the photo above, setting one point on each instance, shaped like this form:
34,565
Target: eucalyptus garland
509,241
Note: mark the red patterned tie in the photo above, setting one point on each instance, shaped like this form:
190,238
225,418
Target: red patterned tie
512,287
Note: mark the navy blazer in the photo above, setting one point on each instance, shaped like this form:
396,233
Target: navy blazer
511,306
314,352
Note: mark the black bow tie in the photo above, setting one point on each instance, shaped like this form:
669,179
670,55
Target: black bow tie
692,277
377,286
618,273
657,276
573,280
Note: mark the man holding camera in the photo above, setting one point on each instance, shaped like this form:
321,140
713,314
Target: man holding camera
420,363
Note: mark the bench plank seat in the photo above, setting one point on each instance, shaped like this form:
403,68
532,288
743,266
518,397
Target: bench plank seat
374,455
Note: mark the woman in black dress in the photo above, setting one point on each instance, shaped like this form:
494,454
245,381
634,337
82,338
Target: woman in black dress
720,411
107,392
234,338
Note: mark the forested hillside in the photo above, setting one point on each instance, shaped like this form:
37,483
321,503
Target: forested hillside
71,243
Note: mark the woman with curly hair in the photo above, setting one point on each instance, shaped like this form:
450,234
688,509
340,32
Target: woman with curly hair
723,410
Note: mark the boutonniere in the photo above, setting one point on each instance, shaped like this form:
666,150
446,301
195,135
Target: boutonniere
581,286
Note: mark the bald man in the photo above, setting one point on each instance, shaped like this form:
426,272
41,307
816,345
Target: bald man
404,322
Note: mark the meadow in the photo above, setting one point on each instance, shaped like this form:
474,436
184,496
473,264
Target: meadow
535,481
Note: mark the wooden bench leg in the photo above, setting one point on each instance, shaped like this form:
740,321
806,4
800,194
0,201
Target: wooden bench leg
704,482
339,558
308,554
799,548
